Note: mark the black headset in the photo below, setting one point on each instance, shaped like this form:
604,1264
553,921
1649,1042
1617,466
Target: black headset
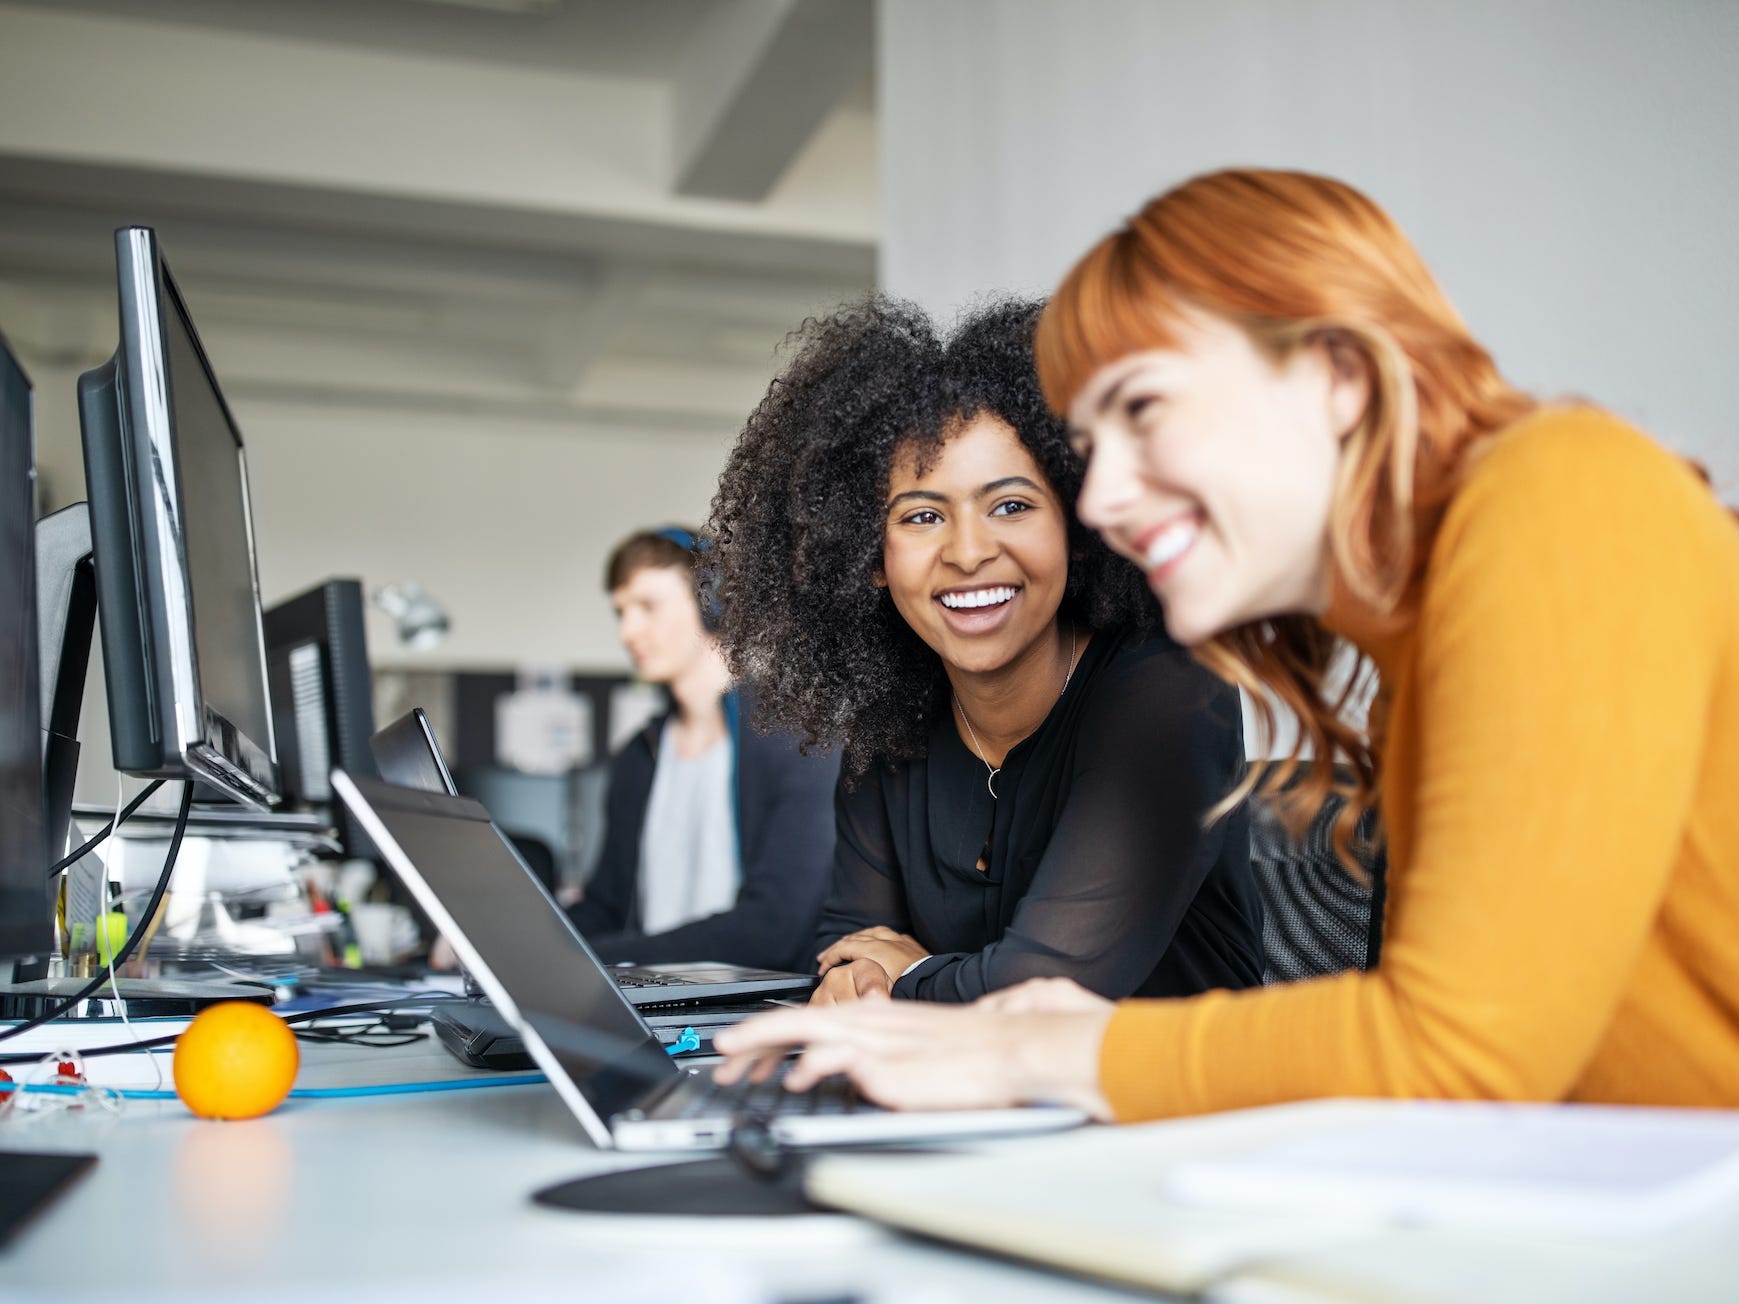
705,580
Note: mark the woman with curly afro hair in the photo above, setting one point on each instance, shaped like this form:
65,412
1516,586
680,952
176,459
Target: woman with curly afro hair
1028,757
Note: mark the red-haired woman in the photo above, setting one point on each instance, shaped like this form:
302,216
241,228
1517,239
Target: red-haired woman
1292,431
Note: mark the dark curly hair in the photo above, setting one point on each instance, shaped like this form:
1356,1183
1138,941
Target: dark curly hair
798,519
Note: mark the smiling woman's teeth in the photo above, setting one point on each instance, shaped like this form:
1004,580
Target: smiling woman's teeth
977,598
1171,544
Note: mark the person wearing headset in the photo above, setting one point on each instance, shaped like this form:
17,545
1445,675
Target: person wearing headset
718,838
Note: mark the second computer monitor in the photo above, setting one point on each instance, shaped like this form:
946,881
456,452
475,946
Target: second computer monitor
24,850
172,532
322,698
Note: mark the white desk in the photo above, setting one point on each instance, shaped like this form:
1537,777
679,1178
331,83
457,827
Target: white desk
419,1198
425,1197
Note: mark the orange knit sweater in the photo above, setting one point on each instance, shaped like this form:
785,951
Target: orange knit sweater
1561,792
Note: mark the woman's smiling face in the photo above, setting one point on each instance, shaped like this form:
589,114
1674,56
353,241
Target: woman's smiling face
1213,468
975,550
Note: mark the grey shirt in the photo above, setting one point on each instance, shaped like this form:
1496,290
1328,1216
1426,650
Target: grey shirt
689,865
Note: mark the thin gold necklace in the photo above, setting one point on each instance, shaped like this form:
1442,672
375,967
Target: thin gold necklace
990,780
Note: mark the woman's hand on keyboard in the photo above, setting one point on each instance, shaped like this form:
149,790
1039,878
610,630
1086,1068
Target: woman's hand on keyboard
1045,996
915,1055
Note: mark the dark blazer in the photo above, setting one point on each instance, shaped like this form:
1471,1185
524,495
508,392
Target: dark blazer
784,816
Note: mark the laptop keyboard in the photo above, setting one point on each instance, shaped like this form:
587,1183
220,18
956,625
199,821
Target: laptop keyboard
649,980
746,1099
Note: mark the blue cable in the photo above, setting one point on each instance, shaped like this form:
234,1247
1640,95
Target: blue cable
688,1040
412,1088
300,1093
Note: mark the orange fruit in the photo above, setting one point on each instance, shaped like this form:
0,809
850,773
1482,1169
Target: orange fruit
236,1060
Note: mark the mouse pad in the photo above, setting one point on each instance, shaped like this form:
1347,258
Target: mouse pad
711,1188
30,1182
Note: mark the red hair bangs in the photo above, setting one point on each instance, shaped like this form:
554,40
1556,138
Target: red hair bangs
1114,302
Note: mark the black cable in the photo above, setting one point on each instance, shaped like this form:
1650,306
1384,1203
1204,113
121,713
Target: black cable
110,827
384,1033
304,1016
120,958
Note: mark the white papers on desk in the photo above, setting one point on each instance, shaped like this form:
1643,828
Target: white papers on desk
148,1069
1574,1167
88,1034
1195,1204
1090,1202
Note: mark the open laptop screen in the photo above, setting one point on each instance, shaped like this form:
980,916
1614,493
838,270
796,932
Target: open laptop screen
407,754
521,938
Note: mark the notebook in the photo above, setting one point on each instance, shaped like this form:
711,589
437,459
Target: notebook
31,1183
599,1054
1361,1196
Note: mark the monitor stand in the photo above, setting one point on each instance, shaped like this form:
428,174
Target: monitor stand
66,607
66,603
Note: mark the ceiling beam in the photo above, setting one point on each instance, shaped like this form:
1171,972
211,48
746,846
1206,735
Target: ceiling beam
527,155
757,80
493,232
578,332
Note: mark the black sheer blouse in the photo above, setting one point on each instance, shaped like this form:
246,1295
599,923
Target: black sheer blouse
1099,868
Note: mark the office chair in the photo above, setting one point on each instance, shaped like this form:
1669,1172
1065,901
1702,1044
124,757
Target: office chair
538,856
1317,919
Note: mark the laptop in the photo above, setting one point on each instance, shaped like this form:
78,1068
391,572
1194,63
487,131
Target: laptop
475,1034
579,1027
408,755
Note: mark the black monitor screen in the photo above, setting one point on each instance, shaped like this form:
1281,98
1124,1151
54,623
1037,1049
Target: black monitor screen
172,538
220,566
24,922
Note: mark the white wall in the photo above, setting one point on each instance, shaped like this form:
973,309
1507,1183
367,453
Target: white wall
1570,168
509,528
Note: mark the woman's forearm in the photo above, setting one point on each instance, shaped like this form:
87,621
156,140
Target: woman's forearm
1054,1059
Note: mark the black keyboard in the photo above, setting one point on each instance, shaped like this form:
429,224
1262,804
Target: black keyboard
746,1099
707,984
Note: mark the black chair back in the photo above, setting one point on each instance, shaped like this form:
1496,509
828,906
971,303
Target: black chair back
1317,918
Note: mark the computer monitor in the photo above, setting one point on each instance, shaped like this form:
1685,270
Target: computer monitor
25,929
322,698
172,533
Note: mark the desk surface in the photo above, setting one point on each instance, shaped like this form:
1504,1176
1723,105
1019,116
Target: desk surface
426,1197
410,1199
